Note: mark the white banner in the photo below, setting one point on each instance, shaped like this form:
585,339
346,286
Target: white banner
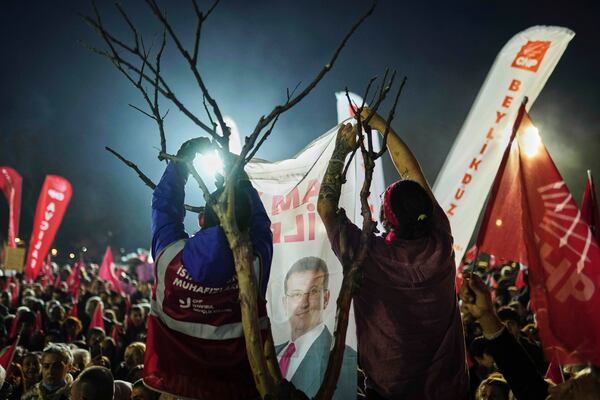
521,69
344,112
305,275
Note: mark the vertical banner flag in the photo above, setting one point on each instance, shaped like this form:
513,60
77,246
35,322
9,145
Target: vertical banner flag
10,184
589,207
52,204
305,275
345,112
521,69
532,218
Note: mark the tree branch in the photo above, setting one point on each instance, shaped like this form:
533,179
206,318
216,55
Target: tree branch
147,181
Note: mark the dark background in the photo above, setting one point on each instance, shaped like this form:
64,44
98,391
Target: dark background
60,104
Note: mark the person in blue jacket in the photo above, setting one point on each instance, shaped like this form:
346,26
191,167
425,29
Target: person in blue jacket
195,345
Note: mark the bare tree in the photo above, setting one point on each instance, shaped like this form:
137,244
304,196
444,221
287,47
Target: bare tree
141,65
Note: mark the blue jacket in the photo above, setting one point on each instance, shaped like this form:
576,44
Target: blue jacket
206,255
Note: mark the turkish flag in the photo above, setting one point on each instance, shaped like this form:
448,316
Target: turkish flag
52,204
589,207
107,271
74,279
532,218
7,357
98,317
10,185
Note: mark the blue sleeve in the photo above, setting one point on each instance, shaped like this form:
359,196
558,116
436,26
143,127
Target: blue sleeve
167,208
209,260
261,236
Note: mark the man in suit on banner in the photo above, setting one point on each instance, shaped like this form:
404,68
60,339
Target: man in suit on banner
303,359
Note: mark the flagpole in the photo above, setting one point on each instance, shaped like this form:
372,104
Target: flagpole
498,178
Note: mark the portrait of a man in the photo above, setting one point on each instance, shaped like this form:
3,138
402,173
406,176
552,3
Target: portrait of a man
303,358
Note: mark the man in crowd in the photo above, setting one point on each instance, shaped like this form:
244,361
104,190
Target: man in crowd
410,338
196,346
94,383
303,359
56,364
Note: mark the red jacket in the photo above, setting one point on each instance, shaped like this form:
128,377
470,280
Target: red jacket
195,347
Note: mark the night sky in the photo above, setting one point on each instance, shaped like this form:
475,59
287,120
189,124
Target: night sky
60,104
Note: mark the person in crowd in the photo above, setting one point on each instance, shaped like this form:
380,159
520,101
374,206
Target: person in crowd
140,391
32,370
81,358
493,387
409,331
303,359
57,360
136,325
512,359
94,383
133,357
211,360
71,329
122,390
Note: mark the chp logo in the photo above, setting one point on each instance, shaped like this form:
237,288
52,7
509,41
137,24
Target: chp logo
531,55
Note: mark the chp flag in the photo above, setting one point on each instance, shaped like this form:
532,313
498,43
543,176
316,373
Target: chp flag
52,204
521,69
533,219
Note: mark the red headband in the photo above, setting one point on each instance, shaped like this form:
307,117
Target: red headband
388,213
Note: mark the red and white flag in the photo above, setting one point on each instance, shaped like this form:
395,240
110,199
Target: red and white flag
108,271
52,204
10,185
7,357
74,279
98,317
521,69
532,218
589,207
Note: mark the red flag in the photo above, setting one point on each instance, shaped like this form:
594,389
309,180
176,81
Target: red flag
14,300
14,326
589,207
39,323
7,357
554,372
52,204
74,310
74,279
97,318
520,281
115,333
10,184
107,271
8,282
532,218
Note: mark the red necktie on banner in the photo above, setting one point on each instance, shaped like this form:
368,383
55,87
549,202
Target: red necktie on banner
532,218
589,207
10,184
284,363
52,204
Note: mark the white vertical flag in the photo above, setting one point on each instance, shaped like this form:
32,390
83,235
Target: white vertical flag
521,69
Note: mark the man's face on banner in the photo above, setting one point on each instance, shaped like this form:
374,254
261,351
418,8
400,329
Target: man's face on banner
304,301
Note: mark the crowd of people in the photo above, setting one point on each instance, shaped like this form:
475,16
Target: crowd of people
422,334
63,351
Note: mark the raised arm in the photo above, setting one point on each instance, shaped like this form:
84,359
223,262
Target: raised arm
168,197
403,158
331,186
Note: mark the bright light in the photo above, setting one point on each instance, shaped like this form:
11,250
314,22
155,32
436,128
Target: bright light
54,252
531,141
84,249
17,240
498,222
71,255
209,164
